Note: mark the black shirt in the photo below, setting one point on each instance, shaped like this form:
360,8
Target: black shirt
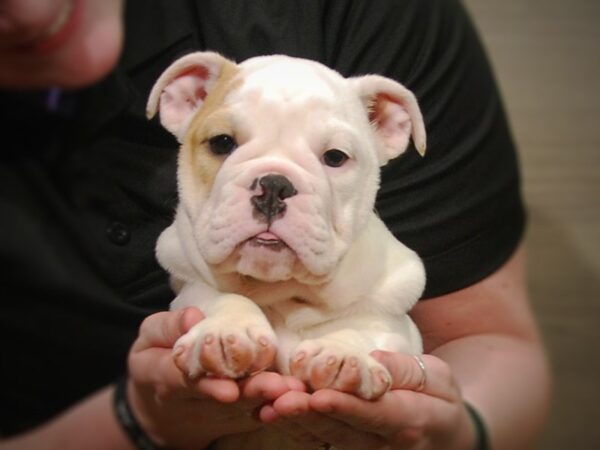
86,189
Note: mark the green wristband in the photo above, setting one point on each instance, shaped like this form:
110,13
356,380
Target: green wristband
482,438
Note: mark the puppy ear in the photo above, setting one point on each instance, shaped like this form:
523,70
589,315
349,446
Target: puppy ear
394,113
182,89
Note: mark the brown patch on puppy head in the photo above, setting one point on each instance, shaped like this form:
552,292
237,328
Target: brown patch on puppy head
203,162
212,119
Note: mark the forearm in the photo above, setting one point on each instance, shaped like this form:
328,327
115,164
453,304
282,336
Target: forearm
507,380
90,424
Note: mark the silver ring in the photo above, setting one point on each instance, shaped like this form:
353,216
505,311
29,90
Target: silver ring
421,364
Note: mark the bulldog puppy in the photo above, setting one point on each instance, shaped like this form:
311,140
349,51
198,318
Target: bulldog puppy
275,237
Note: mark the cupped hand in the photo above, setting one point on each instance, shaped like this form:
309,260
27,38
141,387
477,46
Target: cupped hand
409,416
177,411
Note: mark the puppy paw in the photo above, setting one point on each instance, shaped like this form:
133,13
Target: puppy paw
219,348
329,364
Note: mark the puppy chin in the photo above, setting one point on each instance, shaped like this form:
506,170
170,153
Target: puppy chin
268,263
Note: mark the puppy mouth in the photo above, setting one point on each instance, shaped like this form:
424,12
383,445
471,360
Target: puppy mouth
269,240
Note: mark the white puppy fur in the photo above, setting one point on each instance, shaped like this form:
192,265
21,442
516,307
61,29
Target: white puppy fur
275,238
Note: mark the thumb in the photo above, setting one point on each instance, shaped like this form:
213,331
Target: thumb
164,328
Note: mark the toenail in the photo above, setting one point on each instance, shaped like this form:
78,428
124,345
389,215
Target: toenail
383,378
299,356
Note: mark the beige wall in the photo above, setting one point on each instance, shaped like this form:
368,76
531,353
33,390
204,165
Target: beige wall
546,54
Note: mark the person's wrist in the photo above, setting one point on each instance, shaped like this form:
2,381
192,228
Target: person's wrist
481,438
154,417
131,422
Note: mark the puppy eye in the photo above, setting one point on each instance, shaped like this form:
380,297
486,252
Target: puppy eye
334,157
222,144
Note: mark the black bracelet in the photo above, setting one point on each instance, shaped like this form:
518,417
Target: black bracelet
127,420
482,438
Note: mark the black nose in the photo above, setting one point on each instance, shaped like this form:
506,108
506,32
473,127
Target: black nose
275,189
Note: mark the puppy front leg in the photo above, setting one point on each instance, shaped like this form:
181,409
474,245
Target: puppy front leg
233,340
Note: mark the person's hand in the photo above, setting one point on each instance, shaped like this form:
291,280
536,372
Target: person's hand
67,43
403,418
182,413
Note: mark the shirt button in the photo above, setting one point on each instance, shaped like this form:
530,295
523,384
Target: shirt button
118,233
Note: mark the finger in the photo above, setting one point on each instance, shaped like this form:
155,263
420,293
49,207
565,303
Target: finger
190,317
382,416
291,414
294,384
21,21
155,366
267,414
394,412
151,360
435,379
264,386
258,391
164,328
284,410
269,386
220,390
292,402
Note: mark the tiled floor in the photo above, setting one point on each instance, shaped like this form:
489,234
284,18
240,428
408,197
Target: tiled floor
546,54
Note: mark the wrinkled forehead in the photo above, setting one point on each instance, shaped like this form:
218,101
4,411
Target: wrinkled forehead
286,80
